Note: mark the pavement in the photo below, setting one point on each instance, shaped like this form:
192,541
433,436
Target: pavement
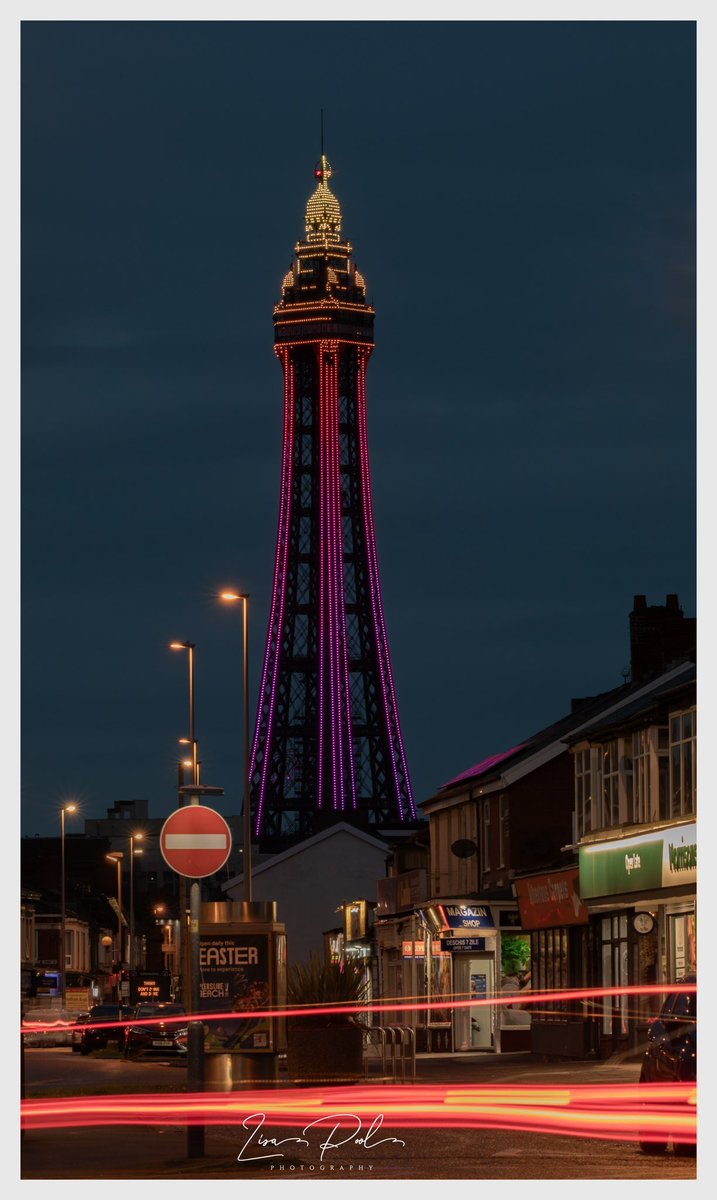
136,1152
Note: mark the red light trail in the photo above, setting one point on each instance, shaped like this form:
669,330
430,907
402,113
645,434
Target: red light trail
390,1005
623,1112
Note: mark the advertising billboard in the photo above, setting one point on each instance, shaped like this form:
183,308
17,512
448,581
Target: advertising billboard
234,976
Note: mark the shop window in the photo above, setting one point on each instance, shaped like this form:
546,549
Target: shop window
549,967
614,965
516,976
682,944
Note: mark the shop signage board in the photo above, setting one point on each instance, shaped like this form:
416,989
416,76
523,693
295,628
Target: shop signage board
660,859
467,918
465,944
195,841
234,975
549,901
78,999
414,949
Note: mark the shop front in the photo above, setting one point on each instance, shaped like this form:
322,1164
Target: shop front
552,911
476,952
641,895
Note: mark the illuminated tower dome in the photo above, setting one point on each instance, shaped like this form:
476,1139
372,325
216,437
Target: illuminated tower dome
327,743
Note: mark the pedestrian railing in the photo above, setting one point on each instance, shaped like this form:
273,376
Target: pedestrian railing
394,1047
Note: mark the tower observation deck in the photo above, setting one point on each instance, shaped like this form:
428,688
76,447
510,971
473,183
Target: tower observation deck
327,742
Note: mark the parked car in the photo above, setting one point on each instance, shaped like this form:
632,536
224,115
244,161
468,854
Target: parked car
60,1035
671,1055
94,1036
76,1036
160,1036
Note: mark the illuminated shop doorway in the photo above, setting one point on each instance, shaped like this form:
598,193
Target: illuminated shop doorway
474,978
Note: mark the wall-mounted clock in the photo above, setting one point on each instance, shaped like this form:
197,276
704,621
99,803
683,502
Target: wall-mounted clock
643,922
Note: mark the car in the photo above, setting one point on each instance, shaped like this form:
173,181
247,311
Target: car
671,1054
160,1036
76,1037
59,1019
94,1036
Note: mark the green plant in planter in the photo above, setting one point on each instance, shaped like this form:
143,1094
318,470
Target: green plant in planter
325,1047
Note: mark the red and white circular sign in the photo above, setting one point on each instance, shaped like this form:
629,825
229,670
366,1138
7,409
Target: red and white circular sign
195,841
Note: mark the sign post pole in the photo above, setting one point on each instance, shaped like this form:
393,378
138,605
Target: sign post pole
195,841
195,1042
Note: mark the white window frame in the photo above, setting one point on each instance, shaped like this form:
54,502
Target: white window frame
677,754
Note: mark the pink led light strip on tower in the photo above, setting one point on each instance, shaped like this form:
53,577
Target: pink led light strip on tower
327,487
322,590
343,638
282,554
286,364
335,599
389,697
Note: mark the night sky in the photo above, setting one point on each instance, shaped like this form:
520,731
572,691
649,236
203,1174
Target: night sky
520,198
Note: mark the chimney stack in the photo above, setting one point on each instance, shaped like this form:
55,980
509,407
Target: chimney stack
660,636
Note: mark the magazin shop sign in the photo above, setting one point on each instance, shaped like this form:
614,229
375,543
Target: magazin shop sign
467,918
665,858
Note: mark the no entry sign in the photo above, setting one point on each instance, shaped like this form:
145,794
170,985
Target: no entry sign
195,841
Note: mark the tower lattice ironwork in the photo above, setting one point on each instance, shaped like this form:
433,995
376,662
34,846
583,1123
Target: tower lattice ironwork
327,743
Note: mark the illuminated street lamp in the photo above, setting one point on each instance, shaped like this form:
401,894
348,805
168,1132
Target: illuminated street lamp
191,647
67,808
230,597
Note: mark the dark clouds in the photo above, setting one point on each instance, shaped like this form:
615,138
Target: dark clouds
521,200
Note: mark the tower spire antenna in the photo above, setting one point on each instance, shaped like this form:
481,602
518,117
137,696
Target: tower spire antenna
322,133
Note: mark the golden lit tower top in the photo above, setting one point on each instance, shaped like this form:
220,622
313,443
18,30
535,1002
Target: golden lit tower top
323,294
323,211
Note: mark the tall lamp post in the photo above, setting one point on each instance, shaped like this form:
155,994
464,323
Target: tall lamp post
116,857
190,978
194,767
231,598
133,837
67,808
191,647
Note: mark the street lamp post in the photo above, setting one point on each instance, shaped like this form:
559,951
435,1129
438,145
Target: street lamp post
116,857
191,647
67,808
194,767
190,979
133,837
230,598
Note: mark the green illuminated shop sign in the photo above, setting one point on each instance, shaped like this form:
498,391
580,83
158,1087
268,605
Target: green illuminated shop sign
665,858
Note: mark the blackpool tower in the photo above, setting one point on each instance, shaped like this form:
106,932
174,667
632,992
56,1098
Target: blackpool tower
327,743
